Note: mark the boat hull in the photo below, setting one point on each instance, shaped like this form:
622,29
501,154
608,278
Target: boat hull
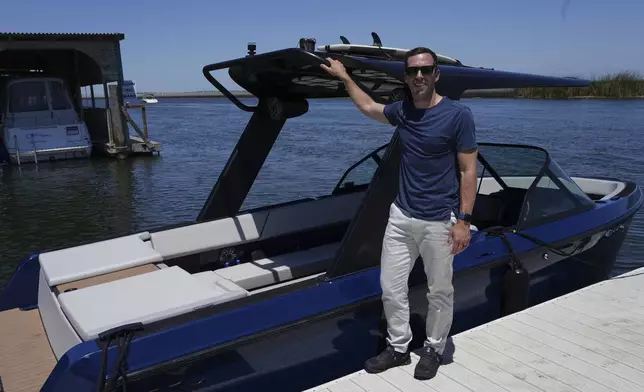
323,349
58,142
51,155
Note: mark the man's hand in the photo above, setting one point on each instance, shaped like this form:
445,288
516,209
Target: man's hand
459,237
336,69
361,99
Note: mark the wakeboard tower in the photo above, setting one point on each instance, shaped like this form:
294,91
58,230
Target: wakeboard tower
377,50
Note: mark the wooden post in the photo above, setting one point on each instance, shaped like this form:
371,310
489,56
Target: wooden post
91,91
117,117
119,88
110,123
79,96
145,123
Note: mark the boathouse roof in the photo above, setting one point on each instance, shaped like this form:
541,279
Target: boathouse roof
94,58
16,36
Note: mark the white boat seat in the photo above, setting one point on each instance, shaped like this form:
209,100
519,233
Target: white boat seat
202,237
280,268
143,298
85,261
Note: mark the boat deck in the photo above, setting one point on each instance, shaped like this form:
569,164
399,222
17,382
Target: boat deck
26,359
588,340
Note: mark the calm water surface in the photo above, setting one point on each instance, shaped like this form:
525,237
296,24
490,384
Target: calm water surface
62,204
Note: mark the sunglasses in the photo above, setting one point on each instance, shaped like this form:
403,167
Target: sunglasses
425,70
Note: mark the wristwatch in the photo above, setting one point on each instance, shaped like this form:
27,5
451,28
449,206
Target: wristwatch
464,217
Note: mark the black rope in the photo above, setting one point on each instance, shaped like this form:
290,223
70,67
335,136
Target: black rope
515,263
501,232
101,375
123,336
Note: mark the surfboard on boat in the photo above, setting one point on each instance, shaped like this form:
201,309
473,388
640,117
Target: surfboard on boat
378,51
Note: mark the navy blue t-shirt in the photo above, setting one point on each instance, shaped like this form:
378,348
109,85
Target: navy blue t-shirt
429,181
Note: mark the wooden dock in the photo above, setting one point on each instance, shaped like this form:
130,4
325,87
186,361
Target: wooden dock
589,340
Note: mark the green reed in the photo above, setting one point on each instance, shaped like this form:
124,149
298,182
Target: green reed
621,85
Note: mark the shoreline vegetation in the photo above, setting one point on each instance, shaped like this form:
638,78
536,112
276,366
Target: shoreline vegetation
621,85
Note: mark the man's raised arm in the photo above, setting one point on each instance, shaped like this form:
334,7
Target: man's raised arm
361,99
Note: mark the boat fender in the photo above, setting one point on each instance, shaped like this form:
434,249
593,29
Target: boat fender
515,284
515,290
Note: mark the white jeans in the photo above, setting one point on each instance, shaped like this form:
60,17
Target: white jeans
405,239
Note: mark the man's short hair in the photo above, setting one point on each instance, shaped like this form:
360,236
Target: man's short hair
419,50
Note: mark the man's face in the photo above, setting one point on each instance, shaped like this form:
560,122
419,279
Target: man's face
421,75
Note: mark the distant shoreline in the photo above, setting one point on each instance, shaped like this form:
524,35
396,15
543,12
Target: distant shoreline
620,86
196,94
468,94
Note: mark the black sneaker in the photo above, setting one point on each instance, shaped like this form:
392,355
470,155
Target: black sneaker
428,364
387,359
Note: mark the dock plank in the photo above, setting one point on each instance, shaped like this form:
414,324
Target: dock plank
589,340
550,368
26,359
540,381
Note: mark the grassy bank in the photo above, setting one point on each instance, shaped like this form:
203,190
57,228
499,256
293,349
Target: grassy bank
622,85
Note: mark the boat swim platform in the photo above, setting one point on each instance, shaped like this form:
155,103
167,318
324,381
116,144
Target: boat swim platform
137,147
590,340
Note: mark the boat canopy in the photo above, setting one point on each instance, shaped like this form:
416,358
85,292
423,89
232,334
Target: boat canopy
37,94
294,74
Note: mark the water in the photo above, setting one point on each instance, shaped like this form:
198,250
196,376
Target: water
62,204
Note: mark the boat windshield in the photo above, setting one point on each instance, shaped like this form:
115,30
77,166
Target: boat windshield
28,97
37,95
359,175
550,194
527,178
59,96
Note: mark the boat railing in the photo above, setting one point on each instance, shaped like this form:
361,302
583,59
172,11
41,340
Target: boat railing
15,140
22,155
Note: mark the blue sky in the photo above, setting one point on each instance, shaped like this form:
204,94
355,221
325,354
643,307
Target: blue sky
168,42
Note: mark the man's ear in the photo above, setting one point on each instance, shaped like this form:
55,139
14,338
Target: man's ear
437,75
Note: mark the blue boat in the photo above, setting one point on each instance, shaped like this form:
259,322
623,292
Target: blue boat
287,296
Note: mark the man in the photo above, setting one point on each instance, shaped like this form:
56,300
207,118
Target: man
431,214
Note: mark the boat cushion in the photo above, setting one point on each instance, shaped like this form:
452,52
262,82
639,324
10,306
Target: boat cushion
85,261
142,298
280,268
212,278
202,237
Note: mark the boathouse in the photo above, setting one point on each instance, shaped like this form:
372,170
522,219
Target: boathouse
83,60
